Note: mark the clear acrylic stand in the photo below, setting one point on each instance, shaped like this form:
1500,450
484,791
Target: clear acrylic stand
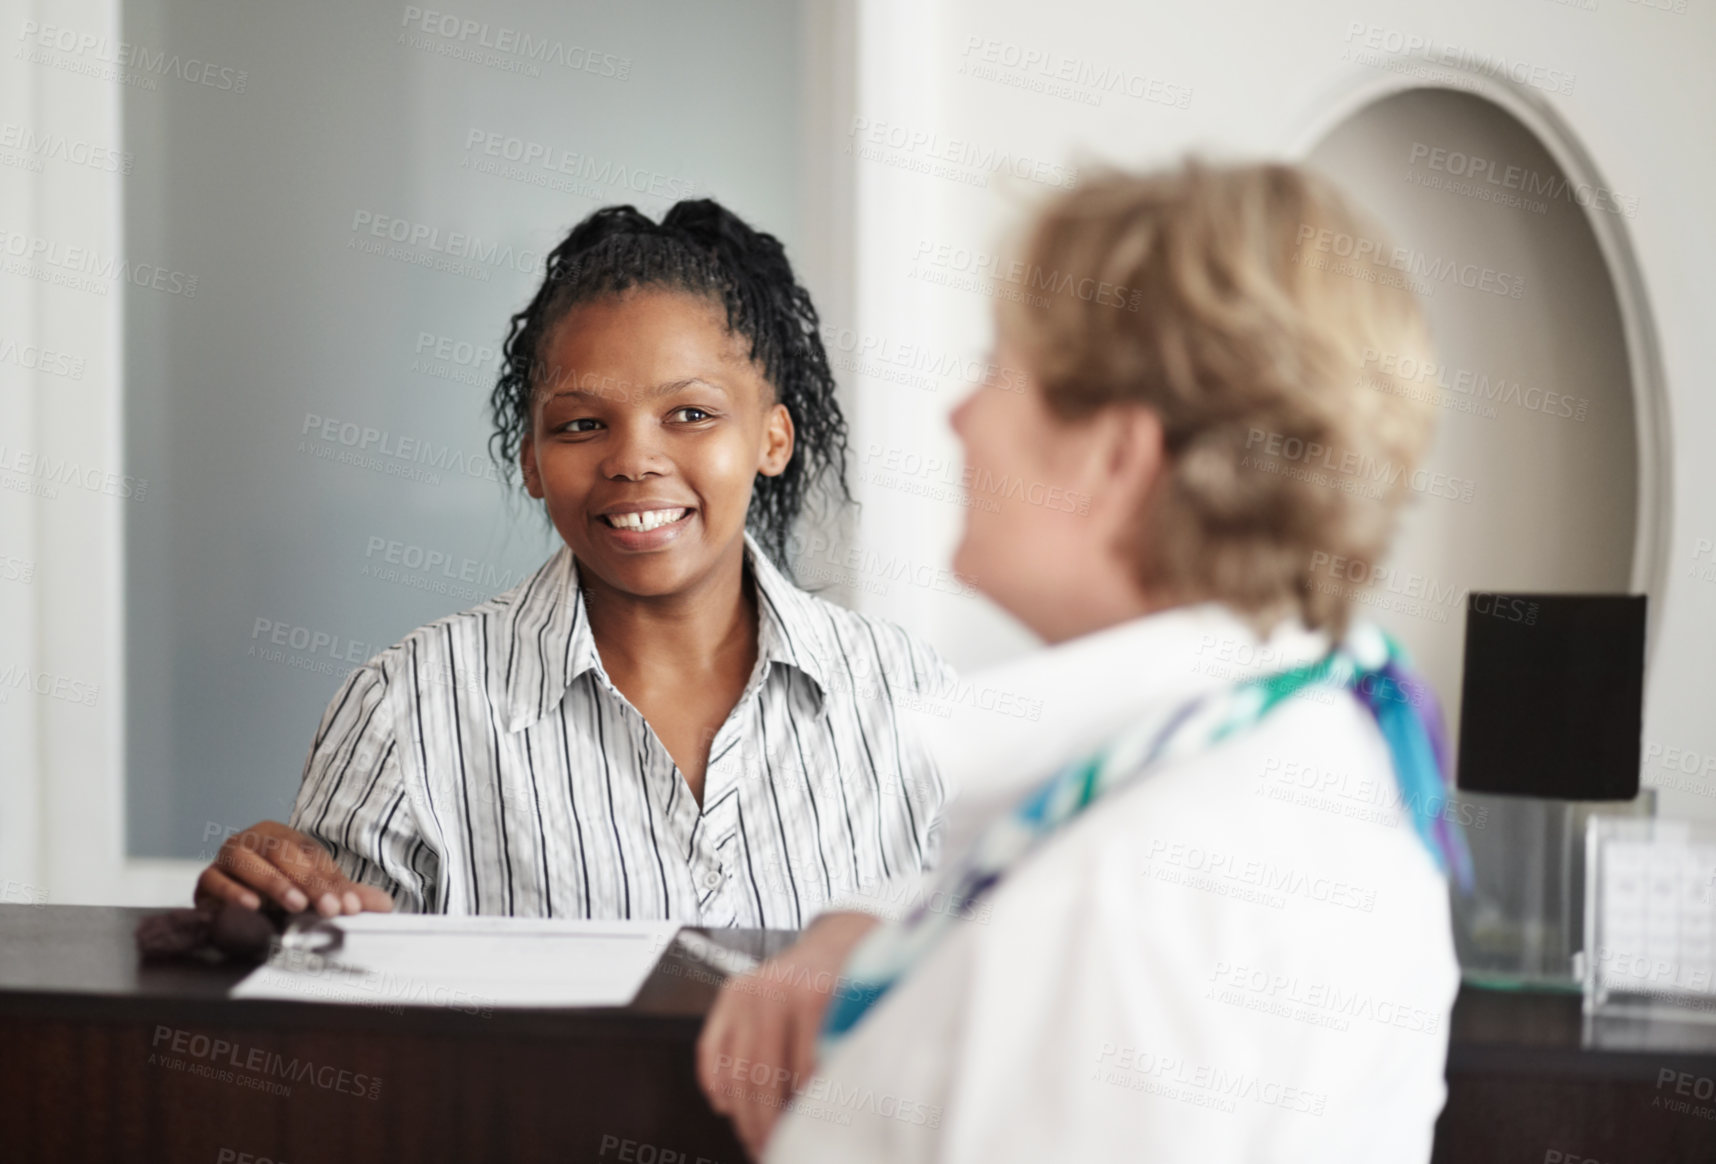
1650,919
1523,925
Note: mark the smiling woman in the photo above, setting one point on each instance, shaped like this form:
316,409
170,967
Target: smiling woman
657,723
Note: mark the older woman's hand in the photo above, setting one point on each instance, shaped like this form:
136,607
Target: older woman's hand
764,1026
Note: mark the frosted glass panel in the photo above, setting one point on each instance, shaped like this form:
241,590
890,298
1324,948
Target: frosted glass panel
346,203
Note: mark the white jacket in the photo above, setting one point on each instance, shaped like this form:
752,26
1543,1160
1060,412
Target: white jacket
1244,957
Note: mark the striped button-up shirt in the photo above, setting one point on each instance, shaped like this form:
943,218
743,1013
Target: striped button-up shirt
487,764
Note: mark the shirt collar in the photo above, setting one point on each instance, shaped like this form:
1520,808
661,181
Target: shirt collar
790,629
547,631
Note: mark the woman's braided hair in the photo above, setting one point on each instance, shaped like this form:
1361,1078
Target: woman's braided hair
702,248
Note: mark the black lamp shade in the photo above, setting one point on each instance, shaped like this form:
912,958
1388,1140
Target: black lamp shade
1552,699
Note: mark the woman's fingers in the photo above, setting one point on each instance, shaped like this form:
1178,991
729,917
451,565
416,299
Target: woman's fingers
712,1044
758,1046
249,868
758,1075
312,870
373,899
265,853
738,1054
807,1024
787,1077
215,887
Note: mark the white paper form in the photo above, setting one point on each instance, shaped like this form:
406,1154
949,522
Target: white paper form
471,964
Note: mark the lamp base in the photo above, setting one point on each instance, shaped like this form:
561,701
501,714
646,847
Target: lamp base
1522,927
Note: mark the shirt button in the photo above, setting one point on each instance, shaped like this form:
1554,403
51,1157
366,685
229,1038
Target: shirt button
712,879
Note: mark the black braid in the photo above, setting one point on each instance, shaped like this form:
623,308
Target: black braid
702,248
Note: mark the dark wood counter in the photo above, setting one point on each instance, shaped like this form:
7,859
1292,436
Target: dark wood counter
107,1059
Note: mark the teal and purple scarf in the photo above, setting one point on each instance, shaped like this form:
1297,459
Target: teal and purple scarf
1368,663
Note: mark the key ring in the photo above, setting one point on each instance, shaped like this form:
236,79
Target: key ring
308,943
302,932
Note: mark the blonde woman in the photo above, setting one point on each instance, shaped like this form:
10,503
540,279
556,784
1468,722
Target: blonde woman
1140,951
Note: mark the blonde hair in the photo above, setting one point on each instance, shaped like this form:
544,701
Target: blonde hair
1217,298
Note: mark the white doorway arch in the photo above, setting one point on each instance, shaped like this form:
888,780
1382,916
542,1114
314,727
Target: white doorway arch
1469,173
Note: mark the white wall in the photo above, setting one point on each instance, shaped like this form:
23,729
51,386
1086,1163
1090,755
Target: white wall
257,147
60,568
1260,76
1225,77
